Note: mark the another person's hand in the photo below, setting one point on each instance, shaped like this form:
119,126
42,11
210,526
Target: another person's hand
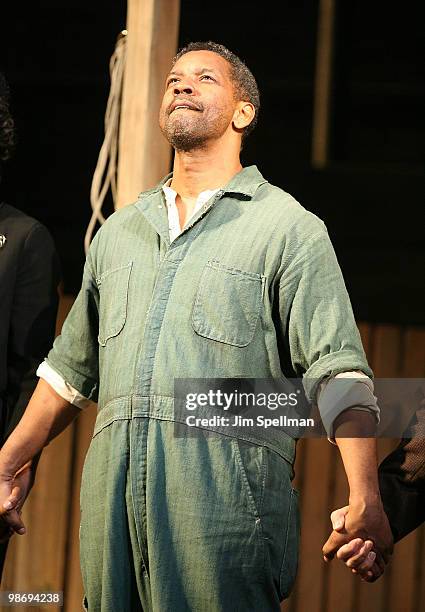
358,555
361,530
13,493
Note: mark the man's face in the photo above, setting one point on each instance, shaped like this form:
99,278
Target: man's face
199,100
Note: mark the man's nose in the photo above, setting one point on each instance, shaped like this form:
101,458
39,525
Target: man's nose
183,87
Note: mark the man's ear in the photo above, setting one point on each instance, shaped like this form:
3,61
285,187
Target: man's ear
243,115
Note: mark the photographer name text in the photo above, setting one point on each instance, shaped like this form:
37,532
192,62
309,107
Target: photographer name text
239,421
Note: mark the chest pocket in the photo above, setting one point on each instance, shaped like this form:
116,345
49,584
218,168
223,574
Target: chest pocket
228,304
113,291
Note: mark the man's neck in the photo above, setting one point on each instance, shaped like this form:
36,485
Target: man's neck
199,170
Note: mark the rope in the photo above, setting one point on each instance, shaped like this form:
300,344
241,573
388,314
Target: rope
105,173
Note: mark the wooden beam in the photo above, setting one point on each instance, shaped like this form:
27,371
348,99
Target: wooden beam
323,83
144,154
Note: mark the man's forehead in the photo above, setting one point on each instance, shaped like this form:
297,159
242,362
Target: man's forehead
200,61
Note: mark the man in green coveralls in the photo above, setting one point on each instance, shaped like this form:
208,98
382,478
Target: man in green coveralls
213,273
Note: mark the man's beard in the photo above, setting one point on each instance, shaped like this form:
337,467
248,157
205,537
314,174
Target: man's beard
187,134
185,140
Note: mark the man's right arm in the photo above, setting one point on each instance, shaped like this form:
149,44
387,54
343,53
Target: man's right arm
45,417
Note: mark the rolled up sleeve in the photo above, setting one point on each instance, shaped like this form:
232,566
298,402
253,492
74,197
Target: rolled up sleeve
322,335
62,388
347,390
74,354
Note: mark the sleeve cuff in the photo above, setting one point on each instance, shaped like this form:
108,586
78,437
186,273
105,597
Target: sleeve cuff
351,389
62,388
331,365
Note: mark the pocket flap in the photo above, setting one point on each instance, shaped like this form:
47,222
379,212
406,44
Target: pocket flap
228,304
113,291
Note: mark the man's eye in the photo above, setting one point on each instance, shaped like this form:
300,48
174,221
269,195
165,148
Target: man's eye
207,76
172,80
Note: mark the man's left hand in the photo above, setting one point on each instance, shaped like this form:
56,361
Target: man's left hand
365,523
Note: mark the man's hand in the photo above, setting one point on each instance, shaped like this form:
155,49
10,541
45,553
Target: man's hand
362,539
45,417
365,518
13,493
357,554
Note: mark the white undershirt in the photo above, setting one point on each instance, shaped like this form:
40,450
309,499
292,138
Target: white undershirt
173,213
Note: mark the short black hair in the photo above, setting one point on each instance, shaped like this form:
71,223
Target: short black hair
7,126
246,87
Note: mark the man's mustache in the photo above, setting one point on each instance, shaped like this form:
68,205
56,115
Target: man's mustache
180,101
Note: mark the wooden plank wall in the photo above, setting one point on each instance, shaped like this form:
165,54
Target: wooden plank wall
47,558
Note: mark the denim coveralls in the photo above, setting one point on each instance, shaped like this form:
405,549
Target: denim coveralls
251,288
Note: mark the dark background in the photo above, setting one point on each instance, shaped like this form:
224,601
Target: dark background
371,193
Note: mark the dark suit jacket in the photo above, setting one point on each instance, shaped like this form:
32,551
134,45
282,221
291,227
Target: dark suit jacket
402,480
29,277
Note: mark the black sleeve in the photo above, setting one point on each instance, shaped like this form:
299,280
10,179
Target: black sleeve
33,318
402,482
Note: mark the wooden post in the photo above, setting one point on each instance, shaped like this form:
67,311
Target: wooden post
144,154
323,83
